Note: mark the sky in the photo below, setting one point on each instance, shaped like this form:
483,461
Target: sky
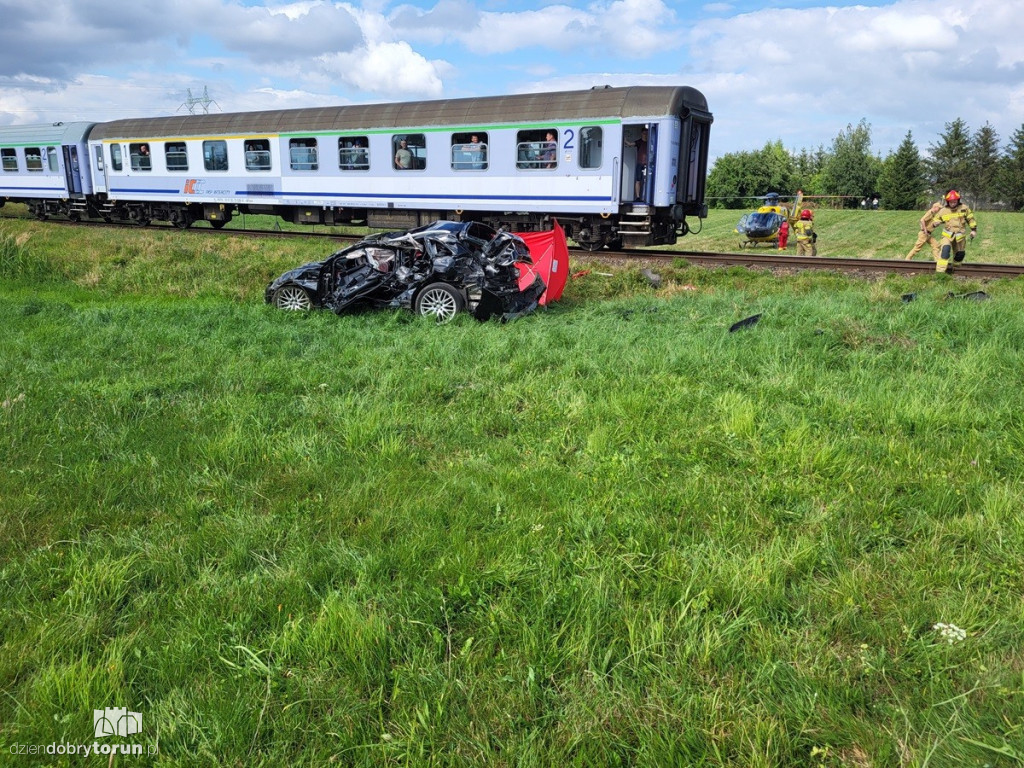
796,71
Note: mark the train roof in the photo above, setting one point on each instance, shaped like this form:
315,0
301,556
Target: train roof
48,133
600,102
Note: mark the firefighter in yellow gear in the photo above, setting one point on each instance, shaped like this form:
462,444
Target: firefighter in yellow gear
955,218
806,237
928,223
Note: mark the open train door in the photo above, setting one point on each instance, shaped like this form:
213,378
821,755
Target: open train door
632,157
647,190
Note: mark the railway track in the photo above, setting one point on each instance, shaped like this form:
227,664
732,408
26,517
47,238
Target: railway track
773,261
785,261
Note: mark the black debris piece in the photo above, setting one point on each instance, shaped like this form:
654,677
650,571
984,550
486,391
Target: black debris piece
972,296
906,298
746,322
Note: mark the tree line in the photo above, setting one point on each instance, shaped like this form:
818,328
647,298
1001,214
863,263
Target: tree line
972,163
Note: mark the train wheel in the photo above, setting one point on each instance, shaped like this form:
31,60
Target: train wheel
294,298
441,301
183,222
218,224
588,240
592,245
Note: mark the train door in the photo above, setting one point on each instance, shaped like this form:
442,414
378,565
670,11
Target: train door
99,180
652,164
639,154
72,170
693,162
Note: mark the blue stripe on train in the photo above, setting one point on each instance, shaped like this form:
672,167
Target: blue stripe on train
366,196
33,189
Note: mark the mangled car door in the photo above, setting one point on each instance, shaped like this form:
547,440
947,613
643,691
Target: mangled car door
361,274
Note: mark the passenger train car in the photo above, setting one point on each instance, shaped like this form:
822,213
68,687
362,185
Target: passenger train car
510,161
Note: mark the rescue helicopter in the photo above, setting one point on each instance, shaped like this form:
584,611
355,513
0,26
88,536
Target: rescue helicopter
761,227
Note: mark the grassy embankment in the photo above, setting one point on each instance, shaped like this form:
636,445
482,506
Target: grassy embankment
873,235
611,533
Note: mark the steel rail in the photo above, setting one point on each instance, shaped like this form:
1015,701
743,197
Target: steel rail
786,261
703,258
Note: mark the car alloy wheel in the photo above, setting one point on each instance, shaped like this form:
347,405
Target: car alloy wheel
441,301
292,297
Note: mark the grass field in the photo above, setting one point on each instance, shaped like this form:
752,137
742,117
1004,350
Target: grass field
610,533
872,235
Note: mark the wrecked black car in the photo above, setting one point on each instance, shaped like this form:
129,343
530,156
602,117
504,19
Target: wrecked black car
437,270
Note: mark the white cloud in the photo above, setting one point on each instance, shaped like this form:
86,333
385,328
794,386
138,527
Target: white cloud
296,31
628,28
447,20
392,69
803,76
799,75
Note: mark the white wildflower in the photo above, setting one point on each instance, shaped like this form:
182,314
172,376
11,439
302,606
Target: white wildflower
951,633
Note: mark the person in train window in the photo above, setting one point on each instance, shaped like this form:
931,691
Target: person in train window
403,157
548,149
362,160
477,153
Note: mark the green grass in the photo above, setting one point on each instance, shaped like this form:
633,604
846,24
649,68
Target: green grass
871,235
611,533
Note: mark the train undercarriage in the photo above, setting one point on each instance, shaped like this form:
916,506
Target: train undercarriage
636,225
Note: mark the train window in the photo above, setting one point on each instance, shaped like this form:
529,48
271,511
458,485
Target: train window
469,151
138,154
410,151
115,157
33,159
51,157
536,150
303,154
176,156
353,154
9,158
215,155
590,147
257,155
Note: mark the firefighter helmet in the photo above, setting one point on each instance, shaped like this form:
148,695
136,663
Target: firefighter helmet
952,197
806,214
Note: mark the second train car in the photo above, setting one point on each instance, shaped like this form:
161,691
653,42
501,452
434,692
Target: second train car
510,161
